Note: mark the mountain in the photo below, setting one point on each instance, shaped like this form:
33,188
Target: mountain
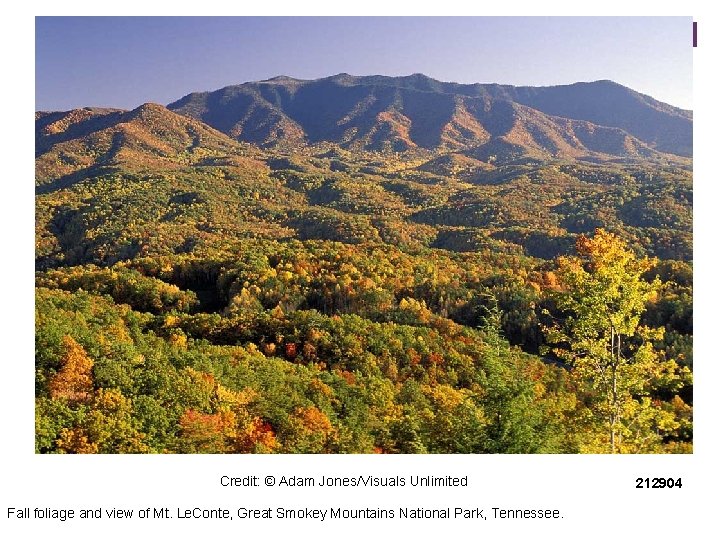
77,142
598,120
663,127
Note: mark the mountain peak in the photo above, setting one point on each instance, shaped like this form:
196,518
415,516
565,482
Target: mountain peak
147,110
282,79
153,115
420,76
150,106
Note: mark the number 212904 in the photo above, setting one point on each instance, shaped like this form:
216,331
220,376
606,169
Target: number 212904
651,483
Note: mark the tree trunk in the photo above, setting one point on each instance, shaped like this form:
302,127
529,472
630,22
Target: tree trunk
615,358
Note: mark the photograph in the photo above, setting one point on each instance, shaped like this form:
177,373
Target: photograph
363,235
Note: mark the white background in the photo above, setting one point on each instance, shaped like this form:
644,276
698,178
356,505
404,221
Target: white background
596,494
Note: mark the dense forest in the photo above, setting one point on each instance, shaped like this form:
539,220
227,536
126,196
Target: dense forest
201,293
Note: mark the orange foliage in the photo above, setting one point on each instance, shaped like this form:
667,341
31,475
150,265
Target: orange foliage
207,433
349,376
74,381
313,419
257,437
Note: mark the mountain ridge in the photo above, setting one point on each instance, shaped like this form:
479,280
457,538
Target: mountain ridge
399,113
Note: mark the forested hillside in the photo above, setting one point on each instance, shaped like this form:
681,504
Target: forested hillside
443,269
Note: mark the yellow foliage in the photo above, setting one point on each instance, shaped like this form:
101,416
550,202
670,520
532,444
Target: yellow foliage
74,380
76,441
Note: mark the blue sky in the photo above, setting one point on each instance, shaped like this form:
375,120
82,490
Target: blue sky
126,61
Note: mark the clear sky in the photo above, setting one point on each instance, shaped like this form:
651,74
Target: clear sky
126,61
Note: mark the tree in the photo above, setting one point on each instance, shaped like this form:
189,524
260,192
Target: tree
74,380
517,419
602,297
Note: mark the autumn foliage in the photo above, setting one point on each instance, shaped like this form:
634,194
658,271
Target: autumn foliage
389,293
73,381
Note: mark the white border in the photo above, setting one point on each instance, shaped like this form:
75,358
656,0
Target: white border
596,493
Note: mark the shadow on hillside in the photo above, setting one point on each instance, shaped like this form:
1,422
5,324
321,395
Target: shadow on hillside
71,179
